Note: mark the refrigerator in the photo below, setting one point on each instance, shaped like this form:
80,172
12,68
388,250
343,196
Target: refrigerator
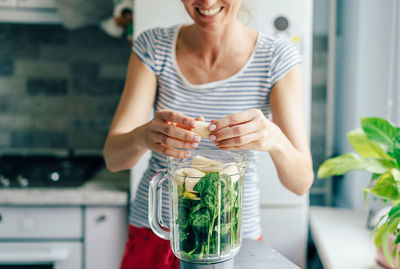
284,215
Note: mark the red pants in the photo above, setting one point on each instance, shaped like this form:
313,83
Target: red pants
145,250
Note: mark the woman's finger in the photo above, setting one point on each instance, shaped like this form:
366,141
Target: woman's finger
241,140
172,142
176,117
234,119
178,133
236,130
200,118
171,152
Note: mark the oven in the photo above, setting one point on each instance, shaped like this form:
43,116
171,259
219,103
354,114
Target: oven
40,238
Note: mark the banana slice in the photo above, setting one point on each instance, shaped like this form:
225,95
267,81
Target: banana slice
200,160
202,129
206,165
179,176
232,171
192,177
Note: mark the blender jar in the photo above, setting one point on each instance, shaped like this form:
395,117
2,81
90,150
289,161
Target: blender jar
205,199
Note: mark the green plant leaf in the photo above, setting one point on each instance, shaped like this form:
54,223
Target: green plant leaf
340,165
378,235
379,130
349,161
385,247
395,210
387,187
365,147
396,149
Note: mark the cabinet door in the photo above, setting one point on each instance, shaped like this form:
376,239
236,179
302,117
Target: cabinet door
105,235
285,229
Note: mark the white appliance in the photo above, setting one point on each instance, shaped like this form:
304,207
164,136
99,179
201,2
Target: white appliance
35,238
284,215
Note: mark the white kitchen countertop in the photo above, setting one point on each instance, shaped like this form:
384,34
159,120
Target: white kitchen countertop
105,189
342,238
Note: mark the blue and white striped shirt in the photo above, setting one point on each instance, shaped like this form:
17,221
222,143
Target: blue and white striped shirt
249,88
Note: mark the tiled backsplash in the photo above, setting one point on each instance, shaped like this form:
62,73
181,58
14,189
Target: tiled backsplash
58,88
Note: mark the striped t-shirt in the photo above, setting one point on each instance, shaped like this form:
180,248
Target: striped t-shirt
249,88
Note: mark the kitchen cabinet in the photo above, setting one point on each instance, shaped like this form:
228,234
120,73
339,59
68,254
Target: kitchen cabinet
79,237
105,234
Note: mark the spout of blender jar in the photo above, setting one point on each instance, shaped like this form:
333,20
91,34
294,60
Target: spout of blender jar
156,222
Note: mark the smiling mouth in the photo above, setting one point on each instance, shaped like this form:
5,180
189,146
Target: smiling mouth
209,12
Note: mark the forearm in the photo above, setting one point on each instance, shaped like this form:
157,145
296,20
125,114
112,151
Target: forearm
123,151
293,166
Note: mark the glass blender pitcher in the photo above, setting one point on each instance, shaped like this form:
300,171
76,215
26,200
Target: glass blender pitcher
205,196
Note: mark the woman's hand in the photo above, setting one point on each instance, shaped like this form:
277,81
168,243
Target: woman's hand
169,130
245,130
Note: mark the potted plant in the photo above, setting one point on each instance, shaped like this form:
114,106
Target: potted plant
377,146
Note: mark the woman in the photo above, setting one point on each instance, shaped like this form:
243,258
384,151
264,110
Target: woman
218,70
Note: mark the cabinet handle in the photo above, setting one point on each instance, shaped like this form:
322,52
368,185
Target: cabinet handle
101,218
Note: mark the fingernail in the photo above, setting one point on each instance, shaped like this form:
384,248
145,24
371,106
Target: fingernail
194,145
212,127
212,137
196,138
192,123
187,154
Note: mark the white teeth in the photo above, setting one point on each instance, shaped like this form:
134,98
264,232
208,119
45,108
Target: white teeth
209,12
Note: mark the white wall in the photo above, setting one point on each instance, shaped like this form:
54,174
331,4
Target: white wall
362,79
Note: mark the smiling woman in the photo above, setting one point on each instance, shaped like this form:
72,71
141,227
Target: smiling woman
220,71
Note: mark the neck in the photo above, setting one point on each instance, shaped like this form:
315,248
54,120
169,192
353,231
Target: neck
211,46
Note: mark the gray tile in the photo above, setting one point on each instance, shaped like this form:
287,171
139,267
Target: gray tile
87,140
4,139
113,71
38,139
107,108
94,87
94,125
46,34
57,53
6,67
46,86
42,68
94,37
12,86
85,70
12,122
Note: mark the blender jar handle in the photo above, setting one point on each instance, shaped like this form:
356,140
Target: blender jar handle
155,205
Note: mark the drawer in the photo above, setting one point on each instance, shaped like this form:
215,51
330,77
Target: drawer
40,222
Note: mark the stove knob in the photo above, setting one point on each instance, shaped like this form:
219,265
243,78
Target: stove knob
54,176
4,182
22,181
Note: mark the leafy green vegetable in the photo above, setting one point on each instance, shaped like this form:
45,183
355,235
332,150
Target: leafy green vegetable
209,226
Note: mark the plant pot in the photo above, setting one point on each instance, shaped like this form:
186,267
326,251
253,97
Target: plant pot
380,257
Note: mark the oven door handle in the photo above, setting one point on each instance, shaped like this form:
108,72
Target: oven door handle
44,255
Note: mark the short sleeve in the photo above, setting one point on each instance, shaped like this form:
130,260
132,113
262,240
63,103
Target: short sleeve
284,57
145,46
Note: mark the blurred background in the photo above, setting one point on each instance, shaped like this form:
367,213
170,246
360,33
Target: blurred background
62,70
